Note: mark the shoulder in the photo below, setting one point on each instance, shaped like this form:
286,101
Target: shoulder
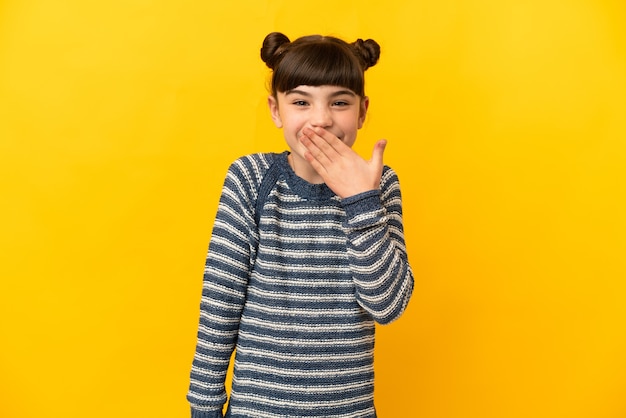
253,163
245,175
252,167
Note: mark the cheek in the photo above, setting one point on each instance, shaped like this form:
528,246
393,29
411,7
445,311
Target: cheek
352,124
350,132
294,120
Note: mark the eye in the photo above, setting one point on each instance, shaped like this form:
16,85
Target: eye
341,103
300,102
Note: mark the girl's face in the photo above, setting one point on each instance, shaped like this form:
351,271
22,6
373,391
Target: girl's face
337,109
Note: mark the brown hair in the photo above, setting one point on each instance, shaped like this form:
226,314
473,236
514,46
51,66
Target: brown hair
317,60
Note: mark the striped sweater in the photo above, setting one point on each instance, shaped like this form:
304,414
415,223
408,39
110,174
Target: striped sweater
297,296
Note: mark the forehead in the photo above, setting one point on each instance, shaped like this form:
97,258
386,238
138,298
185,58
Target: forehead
319,91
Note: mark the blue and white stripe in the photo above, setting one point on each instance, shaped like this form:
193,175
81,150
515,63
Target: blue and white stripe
298,297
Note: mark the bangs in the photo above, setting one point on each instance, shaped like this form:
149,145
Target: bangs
319,64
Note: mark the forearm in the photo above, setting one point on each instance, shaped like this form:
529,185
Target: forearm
220,310
382,275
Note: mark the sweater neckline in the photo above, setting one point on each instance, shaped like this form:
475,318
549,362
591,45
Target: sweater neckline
300,186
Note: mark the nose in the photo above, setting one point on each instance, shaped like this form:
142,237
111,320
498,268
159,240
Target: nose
321,117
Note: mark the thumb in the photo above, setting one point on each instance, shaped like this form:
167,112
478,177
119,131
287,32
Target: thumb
377,153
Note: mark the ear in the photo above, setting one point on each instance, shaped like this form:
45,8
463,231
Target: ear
365,103
273,104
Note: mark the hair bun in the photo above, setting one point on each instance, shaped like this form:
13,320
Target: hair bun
271,49
367,51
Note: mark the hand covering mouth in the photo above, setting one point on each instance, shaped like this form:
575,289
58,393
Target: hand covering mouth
301,134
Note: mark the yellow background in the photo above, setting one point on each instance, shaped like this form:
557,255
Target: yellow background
506,122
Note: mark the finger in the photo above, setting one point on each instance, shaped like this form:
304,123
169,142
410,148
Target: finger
325,140
314,152
378,151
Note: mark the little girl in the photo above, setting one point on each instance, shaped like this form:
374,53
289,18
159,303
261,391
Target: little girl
307,250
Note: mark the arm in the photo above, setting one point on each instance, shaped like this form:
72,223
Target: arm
223,294
376,248
373,225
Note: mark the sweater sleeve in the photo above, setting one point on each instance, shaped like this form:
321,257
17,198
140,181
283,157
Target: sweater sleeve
382,275
227,267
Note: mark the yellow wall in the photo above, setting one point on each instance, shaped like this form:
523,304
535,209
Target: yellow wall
506,122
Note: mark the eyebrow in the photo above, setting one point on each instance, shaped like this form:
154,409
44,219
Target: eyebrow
334,94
